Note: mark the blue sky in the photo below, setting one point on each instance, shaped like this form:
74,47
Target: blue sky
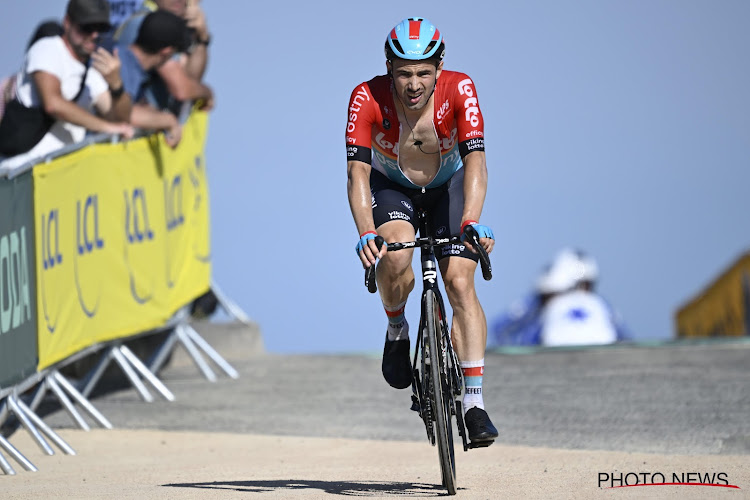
619,127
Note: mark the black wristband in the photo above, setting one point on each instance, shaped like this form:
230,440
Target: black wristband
205,42
117,93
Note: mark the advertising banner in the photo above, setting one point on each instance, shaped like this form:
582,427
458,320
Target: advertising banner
122,235
18,315
723,309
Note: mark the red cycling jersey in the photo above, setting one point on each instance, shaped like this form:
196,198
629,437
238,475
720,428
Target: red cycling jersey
372,130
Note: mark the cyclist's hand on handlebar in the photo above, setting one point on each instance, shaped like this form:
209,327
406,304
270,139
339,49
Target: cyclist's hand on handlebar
367,249
486,236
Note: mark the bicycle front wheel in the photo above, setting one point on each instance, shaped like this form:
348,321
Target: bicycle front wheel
439,393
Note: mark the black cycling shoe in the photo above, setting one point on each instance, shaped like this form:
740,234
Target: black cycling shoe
396,365
479,425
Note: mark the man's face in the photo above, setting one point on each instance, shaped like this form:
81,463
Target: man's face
83,38
414,81
176,7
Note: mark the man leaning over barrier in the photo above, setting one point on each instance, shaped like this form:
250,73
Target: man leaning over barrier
67,85
180,78
161,35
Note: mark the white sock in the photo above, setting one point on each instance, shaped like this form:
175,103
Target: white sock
398,327
473,372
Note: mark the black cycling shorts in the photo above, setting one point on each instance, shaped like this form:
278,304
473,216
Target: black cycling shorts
444,206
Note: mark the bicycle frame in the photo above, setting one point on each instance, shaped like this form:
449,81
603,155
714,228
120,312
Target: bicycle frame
451,365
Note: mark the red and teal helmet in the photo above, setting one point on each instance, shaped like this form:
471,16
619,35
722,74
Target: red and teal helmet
414,39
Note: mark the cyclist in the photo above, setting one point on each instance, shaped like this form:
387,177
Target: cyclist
415,140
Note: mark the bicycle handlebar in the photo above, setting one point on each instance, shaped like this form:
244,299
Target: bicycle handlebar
471,233
484,259
370,283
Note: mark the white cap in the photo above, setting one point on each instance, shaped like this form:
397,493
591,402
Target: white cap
590,268
568,269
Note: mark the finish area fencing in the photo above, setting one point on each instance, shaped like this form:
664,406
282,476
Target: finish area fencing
100,244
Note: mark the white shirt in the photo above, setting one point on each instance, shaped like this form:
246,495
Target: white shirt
52,56
577,317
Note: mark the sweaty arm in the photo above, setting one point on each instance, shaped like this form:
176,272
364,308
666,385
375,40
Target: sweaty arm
475,185
50,93
360,203
360,199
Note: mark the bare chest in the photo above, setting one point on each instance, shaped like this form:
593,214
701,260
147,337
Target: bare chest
419,150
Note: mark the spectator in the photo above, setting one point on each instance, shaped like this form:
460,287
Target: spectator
120,10
161,35
530,321
44,30
63,79
576,315
8,84
179,79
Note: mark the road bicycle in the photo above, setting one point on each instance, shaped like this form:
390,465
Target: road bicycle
437,381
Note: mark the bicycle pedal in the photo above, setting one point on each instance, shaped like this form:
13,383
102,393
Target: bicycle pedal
480,444
415,405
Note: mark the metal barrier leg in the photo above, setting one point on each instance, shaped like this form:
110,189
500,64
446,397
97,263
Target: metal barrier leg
132,376
211,352
3,412
230,307
57,378
161,354
13,452
150,377
28,425
46,430
96,373
38,396
192,350
5,465
66,404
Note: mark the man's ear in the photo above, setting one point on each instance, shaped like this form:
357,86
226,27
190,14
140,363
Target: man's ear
389,67
439,70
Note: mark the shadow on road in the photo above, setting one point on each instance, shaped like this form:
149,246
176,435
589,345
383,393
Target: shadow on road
346,488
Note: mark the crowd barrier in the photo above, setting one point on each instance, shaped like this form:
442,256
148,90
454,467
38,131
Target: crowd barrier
722,309
99,244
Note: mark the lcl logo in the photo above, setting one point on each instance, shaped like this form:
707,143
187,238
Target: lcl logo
90,213
137,227
138,230
51,258
88,241
51,255
173,200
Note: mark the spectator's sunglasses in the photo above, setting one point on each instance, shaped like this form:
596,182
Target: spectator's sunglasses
91,28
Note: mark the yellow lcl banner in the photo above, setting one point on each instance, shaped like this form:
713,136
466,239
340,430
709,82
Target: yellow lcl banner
722,309
122,239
